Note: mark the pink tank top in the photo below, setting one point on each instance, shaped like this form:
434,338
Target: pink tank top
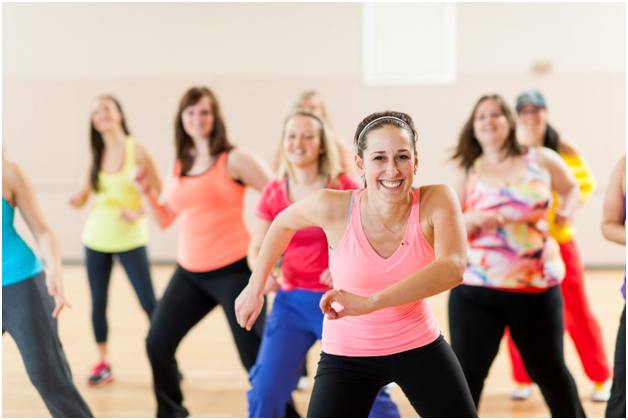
357,268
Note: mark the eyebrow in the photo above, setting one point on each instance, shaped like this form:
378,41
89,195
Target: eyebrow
384,152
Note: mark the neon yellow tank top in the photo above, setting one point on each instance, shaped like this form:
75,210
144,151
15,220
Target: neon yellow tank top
586,180
104,230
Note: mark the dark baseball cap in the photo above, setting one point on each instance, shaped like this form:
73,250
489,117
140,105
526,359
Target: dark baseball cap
530,97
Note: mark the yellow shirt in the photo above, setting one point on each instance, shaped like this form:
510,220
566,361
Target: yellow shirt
587,182
104,230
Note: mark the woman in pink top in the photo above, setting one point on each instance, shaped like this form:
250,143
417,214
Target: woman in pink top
309,162
387,257
205,191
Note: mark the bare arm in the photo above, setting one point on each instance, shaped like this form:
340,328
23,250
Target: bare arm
314,210
146,159
159,208
445,272
79,199
613,216
473,220
258,231
247,167
26,201
564,184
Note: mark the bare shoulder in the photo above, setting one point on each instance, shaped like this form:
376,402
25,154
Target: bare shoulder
568,147
436,196
12,174
546,156
141,152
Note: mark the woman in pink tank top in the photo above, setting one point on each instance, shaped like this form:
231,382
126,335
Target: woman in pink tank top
391,247
205,192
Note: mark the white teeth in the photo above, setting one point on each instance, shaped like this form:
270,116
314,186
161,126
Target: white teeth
388,184
298,152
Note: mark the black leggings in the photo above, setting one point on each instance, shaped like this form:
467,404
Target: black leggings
430,377
187,299
477,319
616,407
135,263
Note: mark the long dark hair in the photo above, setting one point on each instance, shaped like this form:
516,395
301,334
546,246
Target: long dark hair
469,149
98,145
184,145
551,138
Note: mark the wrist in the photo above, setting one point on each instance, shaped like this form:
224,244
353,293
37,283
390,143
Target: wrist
374,302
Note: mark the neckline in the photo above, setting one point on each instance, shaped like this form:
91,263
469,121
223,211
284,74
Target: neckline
124,162
286,194
206,171
405,243
529,175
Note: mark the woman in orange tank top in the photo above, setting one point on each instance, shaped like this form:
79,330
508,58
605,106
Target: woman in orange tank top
205,191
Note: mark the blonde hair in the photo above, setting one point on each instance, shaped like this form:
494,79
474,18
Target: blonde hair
298,98
329,164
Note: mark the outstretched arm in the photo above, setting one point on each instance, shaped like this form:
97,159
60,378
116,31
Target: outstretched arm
313,210
613,217
442,208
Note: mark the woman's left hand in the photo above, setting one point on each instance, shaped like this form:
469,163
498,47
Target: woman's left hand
560,217
352,304
55,289
326,278
131,216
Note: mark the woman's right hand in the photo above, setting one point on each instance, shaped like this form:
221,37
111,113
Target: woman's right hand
489,220
248,306
271,283
140,179
78,199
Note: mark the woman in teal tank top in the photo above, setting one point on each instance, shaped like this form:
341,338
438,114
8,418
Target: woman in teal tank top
31,301
117,224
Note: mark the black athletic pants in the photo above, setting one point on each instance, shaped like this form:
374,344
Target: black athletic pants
477,319
429,376
616,407
98,264
187,299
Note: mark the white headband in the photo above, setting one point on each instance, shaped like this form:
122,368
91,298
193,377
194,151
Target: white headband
383,118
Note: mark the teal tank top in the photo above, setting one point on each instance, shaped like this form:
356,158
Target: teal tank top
18,261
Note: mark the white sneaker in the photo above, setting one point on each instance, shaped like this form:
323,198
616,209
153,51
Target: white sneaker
601,391
522,392
390,387
303,384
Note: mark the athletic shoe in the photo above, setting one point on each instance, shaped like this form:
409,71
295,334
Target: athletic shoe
601,391
522,392
388,388
101,375
303,384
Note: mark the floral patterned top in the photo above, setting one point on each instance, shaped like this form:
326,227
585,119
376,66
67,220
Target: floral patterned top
519,256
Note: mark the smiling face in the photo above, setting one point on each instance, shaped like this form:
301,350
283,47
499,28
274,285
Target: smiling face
533,119
302,141
490,125
106,116
198,119
388,163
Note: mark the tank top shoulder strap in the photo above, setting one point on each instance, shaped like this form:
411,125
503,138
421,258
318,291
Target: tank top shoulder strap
530,158
130,159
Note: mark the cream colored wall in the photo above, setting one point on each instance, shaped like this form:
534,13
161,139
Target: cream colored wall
56,57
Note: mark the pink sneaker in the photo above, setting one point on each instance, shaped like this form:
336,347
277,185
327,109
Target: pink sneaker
101,375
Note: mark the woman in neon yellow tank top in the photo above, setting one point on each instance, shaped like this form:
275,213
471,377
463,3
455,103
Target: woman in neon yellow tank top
580,322
116,223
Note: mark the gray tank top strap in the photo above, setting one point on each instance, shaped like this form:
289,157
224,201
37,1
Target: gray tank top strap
331,251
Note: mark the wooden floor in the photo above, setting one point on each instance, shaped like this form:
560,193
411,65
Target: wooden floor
215,383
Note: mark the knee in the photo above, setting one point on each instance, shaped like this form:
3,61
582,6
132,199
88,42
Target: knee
156,347
99,305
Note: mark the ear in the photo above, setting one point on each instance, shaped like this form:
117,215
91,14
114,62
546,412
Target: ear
416,161
359,164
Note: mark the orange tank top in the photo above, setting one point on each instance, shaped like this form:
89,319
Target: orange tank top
209,206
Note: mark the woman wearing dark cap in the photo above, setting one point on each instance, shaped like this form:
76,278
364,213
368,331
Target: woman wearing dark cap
534,131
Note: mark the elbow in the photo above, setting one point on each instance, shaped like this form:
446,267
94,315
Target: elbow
457,267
